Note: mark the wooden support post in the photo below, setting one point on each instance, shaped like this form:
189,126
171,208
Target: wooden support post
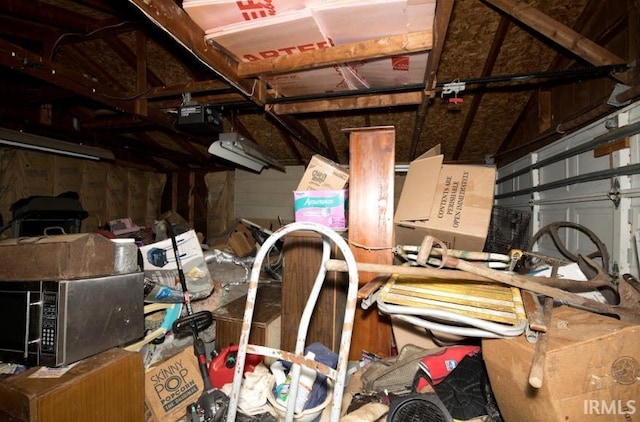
371,179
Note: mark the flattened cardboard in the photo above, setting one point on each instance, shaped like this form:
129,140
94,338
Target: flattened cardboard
60,257
419,189
592,371
241,241
450,202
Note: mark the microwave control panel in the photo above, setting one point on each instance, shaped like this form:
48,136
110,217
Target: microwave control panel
49,322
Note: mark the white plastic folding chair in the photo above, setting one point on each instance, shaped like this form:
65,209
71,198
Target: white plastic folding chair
337,375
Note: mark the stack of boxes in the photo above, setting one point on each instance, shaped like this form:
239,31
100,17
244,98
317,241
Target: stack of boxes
322,194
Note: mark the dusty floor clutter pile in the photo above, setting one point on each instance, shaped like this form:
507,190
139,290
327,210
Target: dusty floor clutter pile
485,327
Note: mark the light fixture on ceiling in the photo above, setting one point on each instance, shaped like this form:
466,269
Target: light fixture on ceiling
236,149
40,143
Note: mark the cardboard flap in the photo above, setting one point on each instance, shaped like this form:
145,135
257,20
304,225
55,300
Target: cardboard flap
431,153
416,198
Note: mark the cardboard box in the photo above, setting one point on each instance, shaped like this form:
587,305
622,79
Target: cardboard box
240,241
103,388
592,371
161,267
172,385
327,207
450,202
60,257
323,174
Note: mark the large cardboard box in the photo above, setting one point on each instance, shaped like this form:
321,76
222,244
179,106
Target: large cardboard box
451,202
323,174
592,371
172,385
106,387
60,257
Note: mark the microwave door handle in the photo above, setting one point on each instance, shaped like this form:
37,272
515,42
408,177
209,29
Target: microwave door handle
27,330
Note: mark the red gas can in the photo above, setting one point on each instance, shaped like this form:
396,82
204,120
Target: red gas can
222,366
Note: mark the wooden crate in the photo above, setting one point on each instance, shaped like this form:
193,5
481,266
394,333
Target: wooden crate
266,323
103,388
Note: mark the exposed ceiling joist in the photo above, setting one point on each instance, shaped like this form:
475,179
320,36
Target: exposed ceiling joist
354,103
116,73
365,50
492,56
167,15
558,33
191,87
171,17
444,9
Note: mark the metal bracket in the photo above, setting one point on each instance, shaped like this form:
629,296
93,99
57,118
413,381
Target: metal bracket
369,301
617,90
454,88
614,193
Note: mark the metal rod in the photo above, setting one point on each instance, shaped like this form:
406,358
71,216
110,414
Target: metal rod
589,177
621,132
596,71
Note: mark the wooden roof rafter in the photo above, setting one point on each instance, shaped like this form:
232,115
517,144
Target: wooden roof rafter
490,61
502,151
559,34
41,68
444,8
414,42
173,19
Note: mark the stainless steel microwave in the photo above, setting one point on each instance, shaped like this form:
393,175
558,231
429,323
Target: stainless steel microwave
55,323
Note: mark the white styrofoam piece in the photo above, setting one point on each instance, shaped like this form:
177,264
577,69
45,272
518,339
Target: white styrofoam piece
353,23
210,14
395,71
287,34
317,80
371,20
322,24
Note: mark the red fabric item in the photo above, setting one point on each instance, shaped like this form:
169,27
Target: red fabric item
438,365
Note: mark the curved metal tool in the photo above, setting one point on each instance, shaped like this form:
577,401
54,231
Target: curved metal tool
553,231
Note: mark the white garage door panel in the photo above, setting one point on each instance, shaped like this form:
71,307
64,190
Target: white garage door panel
599,217
591,190
516,183
595,216
582,201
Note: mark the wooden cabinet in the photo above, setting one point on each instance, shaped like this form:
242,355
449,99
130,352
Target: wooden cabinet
301,262
106,387
265,324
